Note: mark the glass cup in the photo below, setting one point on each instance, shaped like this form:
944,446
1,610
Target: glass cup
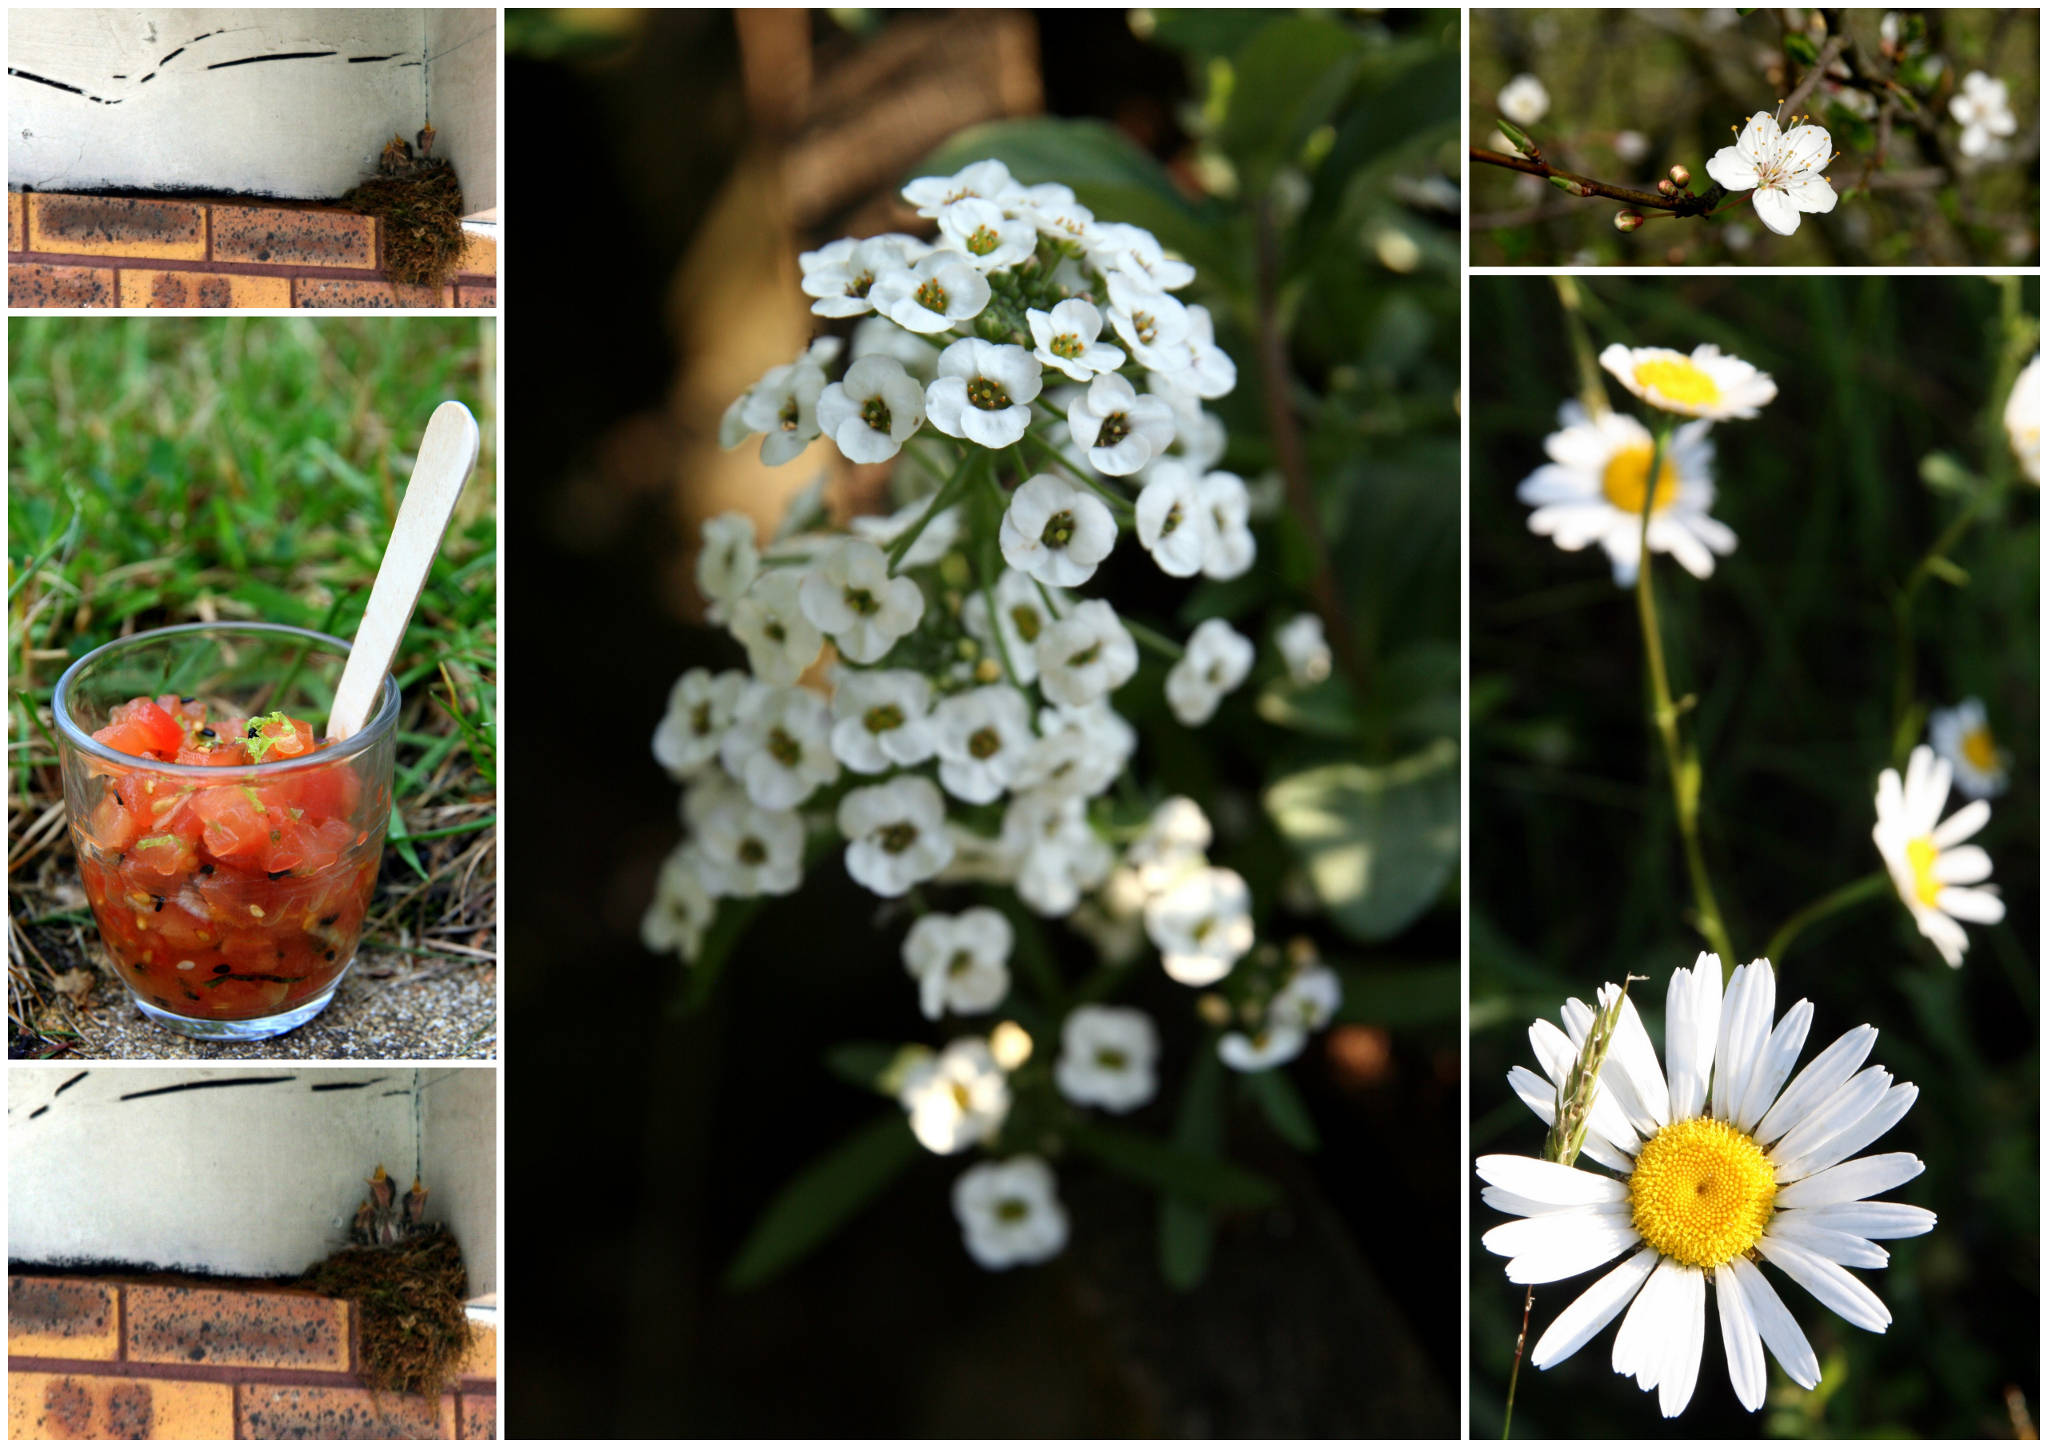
230,896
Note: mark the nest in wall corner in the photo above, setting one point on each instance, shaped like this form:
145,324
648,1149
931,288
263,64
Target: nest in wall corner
420,204
410,1300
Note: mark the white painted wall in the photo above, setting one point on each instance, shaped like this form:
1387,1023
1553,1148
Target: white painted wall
302,128
244,1179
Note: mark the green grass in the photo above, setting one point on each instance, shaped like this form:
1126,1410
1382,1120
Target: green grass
169,470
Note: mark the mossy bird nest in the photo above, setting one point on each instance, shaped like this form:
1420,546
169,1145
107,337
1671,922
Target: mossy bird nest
421,208
410,1300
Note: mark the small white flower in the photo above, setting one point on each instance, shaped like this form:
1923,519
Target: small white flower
842,275
1107,1056
1985,114
1939,878
880,719
1708,384
1210,373
1078,751
1309,1001
1273,1044
1065,337
1020,615
783,406
1216,661
932,296
1304,649
1591,491
1199,438
2023,419
727,561
1085,656
961,962
1056,532
873,410
880,337
985,236
1172,523
1120,430
780,746
1054,211
1176,840
1962,736
985,180
701,707
780,642
851,597
895,834
956,1099
932,544
1057,856
745,850
1202,925
1232,548
983,392
1784,169
1136,252
682,907
1152,324
1010,1213
983,737
1523,100
1631,146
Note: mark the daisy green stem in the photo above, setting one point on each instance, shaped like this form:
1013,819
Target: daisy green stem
1853,893
1154,640
1681,760
941,500
1507,1417
1592,391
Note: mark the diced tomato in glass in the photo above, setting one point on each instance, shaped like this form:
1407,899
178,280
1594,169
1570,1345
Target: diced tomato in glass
140,726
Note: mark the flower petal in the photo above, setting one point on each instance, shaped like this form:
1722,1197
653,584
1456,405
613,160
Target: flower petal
1959,826
1823,1076
1732,169
1780,1052
1882,1220
1547,1181
1592,1310
1682,1367
1829,1282
1740,1340
1887,1113
1780,1332
1852,1181
1775,210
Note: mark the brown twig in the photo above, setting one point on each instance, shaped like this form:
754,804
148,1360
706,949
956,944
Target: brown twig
1836,44
1684,203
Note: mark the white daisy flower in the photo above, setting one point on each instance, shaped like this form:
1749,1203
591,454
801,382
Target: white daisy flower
1136,252
1232,548
873,410
783,407
727,562
850,596
843,273
780,746
1153,325
941,290
961,962
744,850
1066,338
984,180
957,1098
880,719
983,392
1216,660
1010,1213
985,236
1708,384
934,543
701,708
1939,878
1785,171
1304,649
1175,840
895,833
983,738
1054,853
1962,737
780,642
1202,924
1721,1171
2023,419
1591,491
1055,531
1085,656
1079,751
1107,1057
1171,521
1119,430
1273,1044
1982,109
1020,615
682,907
1523,100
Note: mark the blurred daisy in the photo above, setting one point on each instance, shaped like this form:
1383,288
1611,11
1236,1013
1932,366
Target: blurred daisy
2023,420
1939,878
1592,491
1708,384
1962,737
1784,169
1721,1171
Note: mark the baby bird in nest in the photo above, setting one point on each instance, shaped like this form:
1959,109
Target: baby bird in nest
387,1219
399,159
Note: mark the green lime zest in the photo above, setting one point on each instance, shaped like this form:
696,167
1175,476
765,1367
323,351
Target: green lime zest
259,743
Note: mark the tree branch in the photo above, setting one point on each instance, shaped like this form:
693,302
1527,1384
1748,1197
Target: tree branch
1836,44
1683,203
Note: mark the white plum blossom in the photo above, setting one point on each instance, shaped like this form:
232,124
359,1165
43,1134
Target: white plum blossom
895,834
961,962
872,411
1120,430
1172,523
780,641
1984,112
880,719
1232,548
1010,1212
701,707
2023,420
744,850
985,236
727,562
780,746
1057,856
850,597
1784,169
1056,532
1216,661
984,180
956,1099
1020,617
1304,649
934,541
1153,325
983,737
1524,100
1201,924
1085,656
1107,1058
841,274
940,291
682,907
983,392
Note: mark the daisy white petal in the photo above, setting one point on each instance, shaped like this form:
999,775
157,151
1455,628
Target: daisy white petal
1851,1181
1830,1283
1740,1341
1593,1309
1779,1330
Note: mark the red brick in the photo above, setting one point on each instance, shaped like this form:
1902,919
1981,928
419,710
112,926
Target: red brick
327,292
117,226
50,1405
35,284
481,1360
265,1411
479,256
237,1329
292,237
202,289
14,221
62,1318
479,1417
469,296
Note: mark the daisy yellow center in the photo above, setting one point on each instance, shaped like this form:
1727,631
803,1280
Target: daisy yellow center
1980,750
1628,472
1921,855
1679,380
1701,1192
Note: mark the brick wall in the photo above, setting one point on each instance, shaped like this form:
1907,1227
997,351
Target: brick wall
114,251
93,1358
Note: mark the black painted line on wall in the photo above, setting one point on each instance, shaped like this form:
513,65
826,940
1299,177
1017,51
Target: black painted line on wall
72,1082
259,59
360,59
350,1085
37,1112
59,85
171,57
206,1086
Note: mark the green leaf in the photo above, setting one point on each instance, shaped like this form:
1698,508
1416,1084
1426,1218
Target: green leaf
1187,1230
1208,1180
396,832
862,1063
1409,995
1800,48
1284,1109
1328,710
822,1199
1289,79
1380,842
728,923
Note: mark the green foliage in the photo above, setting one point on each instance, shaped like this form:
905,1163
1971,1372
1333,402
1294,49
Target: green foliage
1201,1179
1187,1228
820,1199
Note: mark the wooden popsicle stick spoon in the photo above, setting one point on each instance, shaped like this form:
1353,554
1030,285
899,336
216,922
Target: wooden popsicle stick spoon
447,454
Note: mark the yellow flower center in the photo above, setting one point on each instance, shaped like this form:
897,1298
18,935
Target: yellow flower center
1628,472
1679,380
1701,1192
1980,749
1921,855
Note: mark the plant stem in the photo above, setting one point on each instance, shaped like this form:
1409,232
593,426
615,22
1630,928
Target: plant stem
941,500
1592,391
1685,203
1507,1420
1154,640
1118,504
1852,893
995,626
